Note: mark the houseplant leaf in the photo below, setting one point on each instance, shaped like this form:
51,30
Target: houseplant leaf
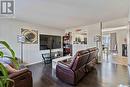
1,54
3,70
1,83
8,47
13,58
4,76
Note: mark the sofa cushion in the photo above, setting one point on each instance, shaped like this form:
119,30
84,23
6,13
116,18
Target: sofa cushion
80,61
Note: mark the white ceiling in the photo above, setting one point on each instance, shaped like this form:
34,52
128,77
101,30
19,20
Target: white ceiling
64,14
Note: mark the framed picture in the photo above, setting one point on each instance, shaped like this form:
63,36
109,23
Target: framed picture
31,36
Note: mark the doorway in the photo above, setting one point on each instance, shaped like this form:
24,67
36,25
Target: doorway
114,46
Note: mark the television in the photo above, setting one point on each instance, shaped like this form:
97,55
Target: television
49,42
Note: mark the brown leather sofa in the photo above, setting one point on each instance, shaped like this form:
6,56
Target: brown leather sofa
23,78
74,70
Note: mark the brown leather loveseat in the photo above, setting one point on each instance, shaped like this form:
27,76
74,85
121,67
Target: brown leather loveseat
73,71
23,78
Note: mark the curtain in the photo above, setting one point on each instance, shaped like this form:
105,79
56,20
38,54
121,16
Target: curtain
113,43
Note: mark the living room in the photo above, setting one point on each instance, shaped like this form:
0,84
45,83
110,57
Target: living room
43,34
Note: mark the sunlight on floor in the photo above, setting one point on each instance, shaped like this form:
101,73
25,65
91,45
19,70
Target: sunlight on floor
121,85
115,59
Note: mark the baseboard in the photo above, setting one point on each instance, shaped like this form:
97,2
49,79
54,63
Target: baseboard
33,63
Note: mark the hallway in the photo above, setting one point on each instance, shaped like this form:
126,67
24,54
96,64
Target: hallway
116,59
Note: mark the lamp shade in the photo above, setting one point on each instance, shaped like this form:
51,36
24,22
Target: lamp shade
20,39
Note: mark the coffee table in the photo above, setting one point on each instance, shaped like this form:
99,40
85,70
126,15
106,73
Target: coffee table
55,61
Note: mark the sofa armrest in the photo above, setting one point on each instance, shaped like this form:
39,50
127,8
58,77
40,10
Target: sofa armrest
63,65
13,75
66,62
64,73
23,78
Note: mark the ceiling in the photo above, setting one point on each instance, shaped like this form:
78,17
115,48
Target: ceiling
62,14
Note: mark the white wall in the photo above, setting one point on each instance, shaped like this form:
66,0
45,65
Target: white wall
9,29
129,45
129,37
116,24
92,31
121,35
129,11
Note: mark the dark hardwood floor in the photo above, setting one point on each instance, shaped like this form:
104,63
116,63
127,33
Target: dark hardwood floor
105,75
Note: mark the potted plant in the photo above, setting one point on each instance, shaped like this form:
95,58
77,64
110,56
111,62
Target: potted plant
4,77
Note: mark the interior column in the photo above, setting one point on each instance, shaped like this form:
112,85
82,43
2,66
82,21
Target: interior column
129,45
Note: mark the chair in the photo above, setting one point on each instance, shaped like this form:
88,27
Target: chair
47,60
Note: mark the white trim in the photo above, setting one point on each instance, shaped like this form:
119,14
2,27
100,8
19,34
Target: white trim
116,28
33,63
